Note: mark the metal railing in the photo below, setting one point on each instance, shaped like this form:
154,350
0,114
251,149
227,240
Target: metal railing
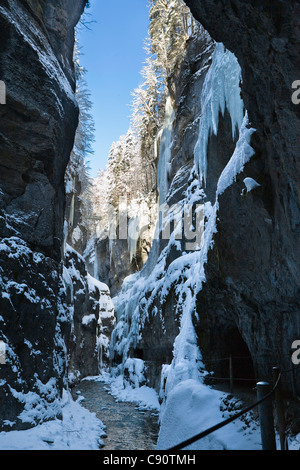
266,416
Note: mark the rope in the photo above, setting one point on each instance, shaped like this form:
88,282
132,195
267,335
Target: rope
203,434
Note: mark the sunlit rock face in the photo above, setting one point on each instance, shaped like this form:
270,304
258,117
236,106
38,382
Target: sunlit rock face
253,271
37,128
92,314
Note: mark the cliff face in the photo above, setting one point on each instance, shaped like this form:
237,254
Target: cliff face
239,293
150,304
37,128
254,270
92,316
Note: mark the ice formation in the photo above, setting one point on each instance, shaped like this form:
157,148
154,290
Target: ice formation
250,184
221,90
165,152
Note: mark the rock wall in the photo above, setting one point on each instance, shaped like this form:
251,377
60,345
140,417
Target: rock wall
37,128
92,321
253,272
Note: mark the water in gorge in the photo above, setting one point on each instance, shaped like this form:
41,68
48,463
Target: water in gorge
127,428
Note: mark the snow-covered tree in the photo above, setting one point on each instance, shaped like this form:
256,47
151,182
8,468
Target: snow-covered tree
131,171
171,24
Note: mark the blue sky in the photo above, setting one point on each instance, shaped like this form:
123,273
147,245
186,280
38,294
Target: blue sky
113,54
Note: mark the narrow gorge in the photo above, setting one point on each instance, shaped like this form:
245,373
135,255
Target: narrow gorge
182,254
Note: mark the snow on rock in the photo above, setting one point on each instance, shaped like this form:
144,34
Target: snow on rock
187,368
192,408
165,152
31,34
87,319
78,429
183,396
242,154
250,184
145,397
29,390
106,320
92,318
134,372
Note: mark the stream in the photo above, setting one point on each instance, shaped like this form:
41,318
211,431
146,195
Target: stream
127,428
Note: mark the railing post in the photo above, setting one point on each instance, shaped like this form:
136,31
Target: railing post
266,417
231,374
280,410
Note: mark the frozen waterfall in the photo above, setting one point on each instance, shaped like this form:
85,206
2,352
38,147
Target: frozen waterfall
165,152
221,90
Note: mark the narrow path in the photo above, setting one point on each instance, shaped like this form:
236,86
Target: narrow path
127,428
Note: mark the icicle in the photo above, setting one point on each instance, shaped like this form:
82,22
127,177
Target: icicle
72,207
165,152
112,235
133,235
139,220
221,90
96,262
65,237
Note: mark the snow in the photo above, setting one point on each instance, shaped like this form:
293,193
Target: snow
192,408
250,184
94,283
242,154
68,284
76,235
87,319
184,377
77,430
221,90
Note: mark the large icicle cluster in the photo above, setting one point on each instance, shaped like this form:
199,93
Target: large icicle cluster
165,152
221,90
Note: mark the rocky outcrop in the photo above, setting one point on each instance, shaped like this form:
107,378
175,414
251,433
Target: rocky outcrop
37,128
112,257
92,316
253,272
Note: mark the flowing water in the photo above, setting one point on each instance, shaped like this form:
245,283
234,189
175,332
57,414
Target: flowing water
127,428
